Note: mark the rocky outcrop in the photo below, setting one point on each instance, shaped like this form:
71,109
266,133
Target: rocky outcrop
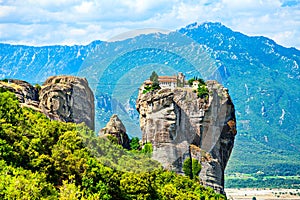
116,128
63,98
25,92
180,125
68,99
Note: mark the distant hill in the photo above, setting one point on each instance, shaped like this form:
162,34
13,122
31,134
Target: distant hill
262,77
34,64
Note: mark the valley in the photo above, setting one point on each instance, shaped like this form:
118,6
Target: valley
262,194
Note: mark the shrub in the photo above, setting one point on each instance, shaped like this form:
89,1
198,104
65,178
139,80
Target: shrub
5,80
202,91
135,143
191,168
147,149
38,87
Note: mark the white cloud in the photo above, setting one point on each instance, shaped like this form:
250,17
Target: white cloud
82,21
6,10
84,7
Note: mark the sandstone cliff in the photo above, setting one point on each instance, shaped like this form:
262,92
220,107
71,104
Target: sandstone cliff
69,99
116,128
180,125
64,98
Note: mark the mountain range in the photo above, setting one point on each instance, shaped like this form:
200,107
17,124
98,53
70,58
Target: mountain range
262,77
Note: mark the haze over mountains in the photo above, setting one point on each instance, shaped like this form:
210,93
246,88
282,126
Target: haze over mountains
262,77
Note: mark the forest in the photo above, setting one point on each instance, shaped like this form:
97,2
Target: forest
47,159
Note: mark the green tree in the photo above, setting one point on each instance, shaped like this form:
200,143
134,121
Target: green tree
139,186
147,149
135,143
18,183
4,80
201,81
155,85
10,110
191,167
69,191
190,81
155,82
202,91
196,167
154,76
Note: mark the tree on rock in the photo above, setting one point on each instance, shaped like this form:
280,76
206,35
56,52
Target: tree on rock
191,167
154,76
155,82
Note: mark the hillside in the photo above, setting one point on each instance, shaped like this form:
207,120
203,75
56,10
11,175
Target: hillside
35,64
44,159
262,77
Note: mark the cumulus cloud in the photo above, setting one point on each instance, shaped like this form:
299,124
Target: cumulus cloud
82,21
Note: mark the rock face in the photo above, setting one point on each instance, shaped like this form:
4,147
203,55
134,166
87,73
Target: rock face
68,99
180,125
25,92
64,98
116,128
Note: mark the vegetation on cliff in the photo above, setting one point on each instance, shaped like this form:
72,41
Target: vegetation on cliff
47,159
191,168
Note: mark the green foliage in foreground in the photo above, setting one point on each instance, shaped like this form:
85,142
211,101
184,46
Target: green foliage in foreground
44,159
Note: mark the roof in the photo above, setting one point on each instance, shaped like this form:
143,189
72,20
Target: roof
169,79
148,82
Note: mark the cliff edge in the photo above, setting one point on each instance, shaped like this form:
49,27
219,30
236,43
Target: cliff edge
181,125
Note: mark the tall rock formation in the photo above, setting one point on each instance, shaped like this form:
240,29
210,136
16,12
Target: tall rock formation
116,128
68,99
180,125
63,98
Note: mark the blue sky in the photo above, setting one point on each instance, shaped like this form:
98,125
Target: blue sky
48,22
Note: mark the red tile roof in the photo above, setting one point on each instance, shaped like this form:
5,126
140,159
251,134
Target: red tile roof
168,79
